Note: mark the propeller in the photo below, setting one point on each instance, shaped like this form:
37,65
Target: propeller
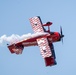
61,34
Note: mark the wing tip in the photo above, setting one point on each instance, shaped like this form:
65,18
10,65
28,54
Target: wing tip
50,61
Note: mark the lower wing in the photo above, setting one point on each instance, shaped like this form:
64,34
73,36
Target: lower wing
47,51
50,61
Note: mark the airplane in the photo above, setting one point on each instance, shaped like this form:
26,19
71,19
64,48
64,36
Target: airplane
44,39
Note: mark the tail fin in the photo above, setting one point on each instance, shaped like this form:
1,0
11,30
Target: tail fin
16,49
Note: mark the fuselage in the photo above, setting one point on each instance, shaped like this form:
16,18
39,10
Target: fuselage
53,37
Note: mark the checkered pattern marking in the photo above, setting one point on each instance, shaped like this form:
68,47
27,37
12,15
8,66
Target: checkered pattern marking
36,24
44,47
42,42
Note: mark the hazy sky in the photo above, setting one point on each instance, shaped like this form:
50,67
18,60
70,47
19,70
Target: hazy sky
14,19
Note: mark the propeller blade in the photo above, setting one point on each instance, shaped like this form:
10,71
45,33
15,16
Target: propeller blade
61,30
61,34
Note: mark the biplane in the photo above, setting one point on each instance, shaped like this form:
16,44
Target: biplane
45,41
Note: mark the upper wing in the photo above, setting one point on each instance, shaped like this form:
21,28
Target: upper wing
36,24
42,42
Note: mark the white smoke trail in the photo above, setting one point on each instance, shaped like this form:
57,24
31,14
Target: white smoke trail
16,38
13,38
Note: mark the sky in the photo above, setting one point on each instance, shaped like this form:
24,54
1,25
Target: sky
14,19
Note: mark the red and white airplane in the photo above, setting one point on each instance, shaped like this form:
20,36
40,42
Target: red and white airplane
44,40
